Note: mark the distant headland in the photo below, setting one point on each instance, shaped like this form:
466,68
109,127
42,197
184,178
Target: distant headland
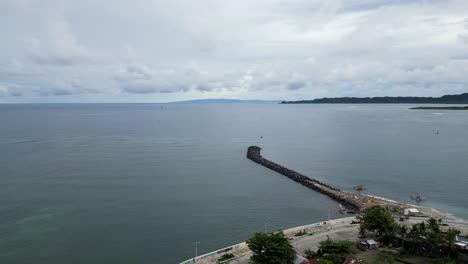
224,101
446,99
440,108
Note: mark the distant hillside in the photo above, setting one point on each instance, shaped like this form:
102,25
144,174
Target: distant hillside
446,99
221,101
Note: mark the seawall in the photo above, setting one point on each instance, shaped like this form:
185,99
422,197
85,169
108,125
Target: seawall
253,153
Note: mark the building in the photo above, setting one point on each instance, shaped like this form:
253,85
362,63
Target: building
462,242
369,243
411,212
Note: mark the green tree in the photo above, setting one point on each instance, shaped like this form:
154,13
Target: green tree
334,258
310,254
433,225
402,231
334,247
379,221
433,235
422,229
414,234
334,251
271,248
451,238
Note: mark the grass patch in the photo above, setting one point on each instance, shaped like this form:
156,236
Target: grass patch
443,261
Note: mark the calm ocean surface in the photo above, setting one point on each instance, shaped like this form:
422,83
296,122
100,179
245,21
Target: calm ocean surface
140,183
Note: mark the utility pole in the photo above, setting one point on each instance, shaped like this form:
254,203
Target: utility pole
266,227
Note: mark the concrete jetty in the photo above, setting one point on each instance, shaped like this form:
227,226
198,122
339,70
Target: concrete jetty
348,200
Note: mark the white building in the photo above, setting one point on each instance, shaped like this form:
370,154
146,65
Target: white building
411,211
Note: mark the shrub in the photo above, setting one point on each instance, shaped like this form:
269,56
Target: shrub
384,257
300,233
310,254
225,257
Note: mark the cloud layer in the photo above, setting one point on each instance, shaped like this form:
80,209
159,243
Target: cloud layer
154,51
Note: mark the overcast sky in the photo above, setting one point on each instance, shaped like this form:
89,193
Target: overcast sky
159,51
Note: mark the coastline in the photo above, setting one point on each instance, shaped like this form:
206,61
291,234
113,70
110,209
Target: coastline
315,232
327,228
242,250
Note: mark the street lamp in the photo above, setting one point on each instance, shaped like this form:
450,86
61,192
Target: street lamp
196,249
266,225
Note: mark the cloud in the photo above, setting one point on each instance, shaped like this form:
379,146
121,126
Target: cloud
19,79
63,88
463,38
295,85
205,87
155,50
140,79
3,88
59,47
8,5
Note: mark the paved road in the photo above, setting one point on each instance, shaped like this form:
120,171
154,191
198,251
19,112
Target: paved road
313,241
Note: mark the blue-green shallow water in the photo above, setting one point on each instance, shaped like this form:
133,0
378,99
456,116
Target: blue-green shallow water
140,183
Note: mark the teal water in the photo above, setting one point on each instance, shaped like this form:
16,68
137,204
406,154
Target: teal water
141,183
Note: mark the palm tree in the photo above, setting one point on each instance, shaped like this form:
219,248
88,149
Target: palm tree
433,237
388,229
451,239
422,228
414,233
402,232
433,225
360,188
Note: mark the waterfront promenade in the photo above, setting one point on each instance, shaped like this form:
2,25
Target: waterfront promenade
334,229
337,229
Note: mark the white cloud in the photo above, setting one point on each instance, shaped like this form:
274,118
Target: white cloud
5,5
463,38
59,47
140,79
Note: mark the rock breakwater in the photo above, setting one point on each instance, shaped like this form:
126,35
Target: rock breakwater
346,199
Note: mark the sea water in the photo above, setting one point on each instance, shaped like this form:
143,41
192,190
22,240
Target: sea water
142,183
